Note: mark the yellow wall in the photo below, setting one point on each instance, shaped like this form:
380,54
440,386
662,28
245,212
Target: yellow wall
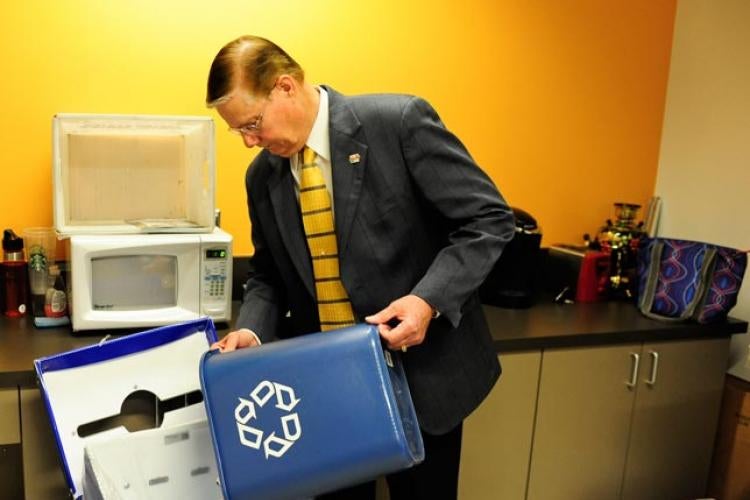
561,102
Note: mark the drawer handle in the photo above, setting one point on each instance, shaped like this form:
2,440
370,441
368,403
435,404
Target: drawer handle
634,370
654,368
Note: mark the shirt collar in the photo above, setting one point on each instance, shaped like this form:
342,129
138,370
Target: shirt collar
318,140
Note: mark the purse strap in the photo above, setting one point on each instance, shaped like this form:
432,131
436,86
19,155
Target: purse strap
704,285
646,301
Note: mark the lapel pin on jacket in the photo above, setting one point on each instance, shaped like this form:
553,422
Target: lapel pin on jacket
354,158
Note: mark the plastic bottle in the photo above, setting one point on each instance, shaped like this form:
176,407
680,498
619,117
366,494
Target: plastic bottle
15,275
55,300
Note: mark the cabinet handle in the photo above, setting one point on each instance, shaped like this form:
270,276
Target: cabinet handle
634,370
654,368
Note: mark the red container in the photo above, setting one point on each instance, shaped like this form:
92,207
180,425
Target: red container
15,276
593,278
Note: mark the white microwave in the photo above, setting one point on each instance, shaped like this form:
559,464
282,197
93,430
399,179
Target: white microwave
144,280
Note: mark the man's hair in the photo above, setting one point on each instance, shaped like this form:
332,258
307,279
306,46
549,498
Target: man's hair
249,63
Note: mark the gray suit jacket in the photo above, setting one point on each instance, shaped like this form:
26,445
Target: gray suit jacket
414,215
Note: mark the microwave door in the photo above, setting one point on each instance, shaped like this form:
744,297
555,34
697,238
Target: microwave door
140,282
146,280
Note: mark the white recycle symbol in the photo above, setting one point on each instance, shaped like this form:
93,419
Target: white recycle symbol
252,437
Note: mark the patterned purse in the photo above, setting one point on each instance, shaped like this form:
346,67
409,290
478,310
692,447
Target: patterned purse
682,280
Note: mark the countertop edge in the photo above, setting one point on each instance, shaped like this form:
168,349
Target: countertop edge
608,338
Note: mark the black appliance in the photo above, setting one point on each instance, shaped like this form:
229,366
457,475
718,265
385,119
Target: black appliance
511,283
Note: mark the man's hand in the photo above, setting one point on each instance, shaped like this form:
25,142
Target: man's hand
238,339
413,315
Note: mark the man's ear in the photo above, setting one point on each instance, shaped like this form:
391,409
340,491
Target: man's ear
287,84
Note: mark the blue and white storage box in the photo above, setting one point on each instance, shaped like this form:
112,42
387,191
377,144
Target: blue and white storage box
90,385
304,416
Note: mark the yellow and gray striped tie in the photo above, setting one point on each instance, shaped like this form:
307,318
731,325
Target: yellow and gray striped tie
334,307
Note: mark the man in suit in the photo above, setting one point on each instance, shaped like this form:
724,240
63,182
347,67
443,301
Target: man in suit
418,226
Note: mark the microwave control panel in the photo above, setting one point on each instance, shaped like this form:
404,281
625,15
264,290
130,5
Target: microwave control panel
217,284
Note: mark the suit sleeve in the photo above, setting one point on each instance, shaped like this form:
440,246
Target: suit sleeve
476,219
263,295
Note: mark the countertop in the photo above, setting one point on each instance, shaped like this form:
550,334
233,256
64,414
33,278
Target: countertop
544,325
550,325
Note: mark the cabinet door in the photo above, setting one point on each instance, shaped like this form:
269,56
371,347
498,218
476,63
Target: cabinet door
497,436
43,476
675,418
10,425
583,417
11,475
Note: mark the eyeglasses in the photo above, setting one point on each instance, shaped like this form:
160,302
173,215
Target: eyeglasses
250,128
254,126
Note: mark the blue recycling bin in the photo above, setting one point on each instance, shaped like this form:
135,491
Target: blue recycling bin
309,415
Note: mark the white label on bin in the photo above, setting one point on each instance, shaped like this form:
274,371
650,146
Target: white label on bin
277,442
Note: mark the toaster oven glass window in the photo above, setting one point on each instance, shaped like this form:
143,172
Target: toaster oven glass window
134,282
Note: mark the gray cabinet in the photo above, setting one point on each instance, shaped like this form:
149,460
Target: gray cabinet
11,484
675,419
629,421
497,437
582,422
42,473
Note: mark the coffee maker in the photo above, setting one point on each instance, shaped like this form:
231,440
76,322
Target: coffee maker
511,283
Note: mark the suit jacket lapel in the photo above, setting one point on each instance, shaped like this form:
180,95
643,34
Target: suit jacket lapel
348,163
347,172
288,219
